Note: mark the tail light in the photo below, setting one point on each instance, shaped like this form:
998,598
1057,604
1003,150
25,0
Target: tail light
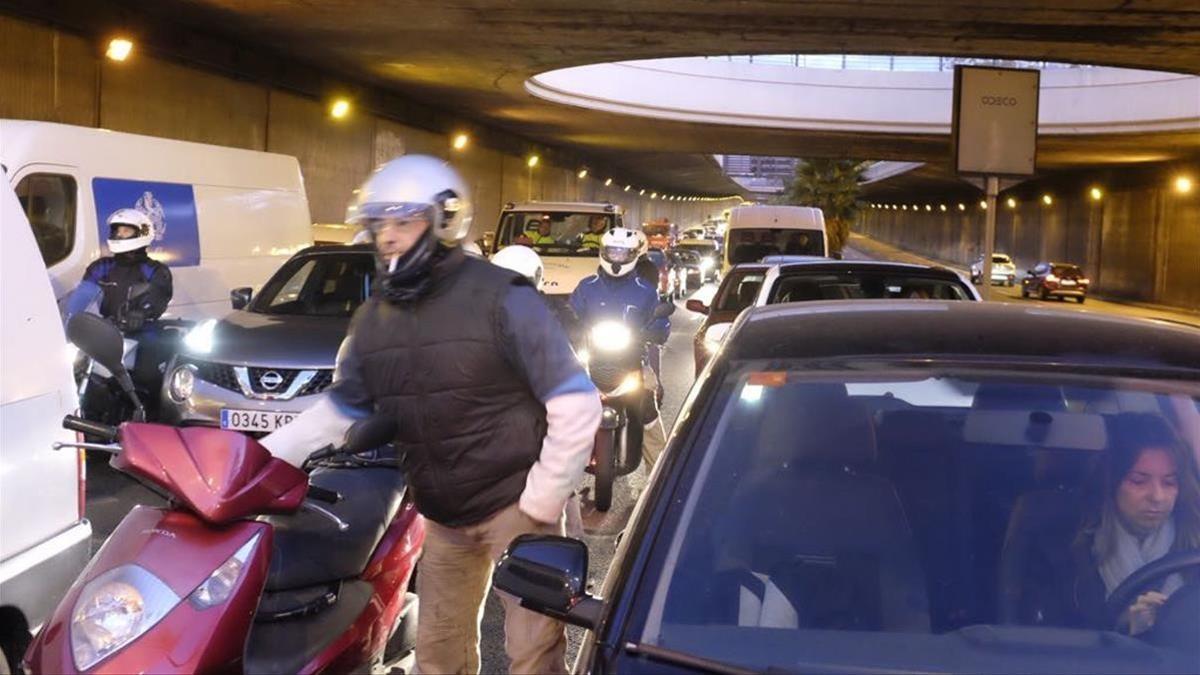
1051,279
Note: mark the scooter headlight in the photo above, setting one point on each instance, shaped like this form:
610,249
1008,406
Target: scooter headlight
114,609
219,585
611,336
183,383
583,356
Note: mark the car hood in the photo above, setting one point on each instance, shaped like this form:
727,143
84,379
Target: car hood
281,341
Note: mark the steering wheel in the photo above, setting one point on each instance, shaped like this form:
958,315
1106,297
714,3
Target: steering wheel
1136,583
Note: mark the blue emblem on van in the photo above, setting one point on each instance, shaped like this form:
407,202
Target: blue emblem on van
170,206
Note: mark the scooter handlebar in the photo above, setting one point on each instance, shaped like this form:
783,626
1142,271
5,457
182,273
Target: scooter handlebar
73,423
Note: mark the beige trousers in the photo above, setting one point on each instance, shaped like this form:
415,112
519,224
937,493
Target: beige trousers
453,578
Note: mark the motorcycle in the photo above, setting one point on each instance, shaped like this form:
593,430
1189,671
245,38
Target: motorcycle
101,397
614,355
253,566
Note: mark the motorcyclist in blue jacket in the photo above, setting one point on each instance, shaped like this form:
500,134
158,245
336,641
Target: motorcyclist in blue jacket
615,291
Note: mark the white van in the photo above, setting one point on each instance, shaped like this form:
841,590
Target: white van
44,538
758,231
224,217
566,259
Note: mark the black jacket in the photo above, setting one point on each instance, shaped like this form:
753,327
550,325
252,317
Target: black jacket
121,278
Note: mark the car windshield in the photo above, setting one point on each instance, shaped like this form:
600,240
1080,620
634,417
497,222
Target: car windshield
753,244
326,284
556,233
864,284
1001,259
848,519
738,290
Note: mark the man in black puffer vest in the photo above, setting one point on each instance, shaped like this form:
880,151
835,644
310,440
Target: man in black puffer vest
495,416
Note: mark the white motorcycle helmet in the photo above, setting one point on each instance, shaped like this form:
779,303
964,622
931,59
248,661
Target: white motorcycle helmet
129,218
522,260
415,184
618,251
643,243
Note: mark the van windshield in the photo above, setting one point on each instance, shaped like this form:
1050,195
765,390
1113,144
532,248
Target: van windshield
556,233
752,244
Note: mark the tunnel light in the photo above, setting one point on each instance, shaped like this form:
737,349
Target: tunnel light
928,207
119,49
983,204
904,207
1183,185
942,207
627,187
1097,194
1012,203
642,191
653,195
339,109
461,141
916,207
532,161
582,174
962,206
608,182
1047,200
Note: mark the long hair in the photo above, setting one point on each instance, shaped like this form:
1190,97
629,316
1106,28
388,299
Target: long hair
1131,434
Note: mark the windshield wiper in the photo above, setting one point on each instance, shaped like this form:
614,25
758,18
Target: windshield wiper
686,660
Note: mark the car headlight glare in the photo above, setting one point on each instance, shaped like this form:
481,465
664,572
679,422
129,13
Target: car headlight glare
219,585
706,263
200,338
611,336
114,609
183,383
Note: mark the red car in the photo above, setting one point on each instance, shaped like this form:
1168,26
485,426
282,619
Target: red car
1055,280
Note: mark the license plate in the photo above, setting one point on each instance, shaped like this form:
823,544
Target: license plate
254,420
1068,282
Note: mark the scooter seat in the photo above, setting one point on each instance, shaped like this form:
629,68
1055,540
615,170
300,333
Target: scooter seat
309,549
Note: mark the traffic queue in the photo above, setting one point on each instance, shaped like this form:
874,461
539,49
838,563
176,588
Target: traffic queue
873,470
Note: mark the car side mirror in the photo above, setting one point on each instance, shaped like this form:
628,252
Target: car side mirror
240,297
697,306
548,574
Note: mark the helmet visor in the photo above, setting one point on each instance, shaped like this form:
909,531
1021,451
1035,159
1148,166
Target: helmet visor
618,254
121,231
377,217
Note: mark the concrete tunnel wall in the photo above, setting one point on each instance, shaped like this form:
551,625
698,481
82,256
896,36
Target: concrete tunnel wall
1139,242
47,74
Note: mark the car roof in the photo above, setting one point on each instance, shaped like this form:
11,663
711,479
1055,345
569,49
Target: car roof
337,248
828,265
974,330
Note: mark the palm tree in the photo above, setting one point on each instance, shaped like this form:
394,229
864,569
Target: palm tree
832,186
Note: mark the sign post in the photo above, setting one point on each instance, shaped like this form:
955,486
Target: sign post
995,134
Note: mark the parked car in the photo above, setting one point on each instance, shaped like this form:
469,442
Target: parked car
737,291
1004,270
890,487
1055,280
822,279
45,540
271,358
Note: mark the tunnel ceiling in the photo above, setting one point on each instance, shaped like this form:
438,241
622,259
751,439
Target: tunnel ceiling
472,57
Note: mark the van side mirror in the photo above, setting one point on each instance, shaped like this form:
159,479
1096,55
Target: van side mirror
240,297
697,306
548,574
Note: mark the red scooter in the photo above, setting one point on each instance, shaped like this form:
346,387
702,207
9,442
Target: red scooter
254,566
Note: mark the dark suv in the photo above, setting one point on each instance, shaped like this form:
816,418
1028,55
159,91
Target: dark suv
1055,280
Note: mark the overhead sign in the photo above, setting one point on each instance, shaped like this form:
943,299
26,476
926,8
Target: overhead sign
995,120
170,206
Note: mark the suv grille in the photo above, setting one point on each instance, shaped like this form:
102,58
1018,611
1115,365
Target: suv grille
319,383
220,374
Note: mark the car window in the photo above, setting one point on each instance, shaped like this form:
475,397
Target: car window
1002,259
864,284
1062,270
739,291
318,285
823,505
559,233
49,204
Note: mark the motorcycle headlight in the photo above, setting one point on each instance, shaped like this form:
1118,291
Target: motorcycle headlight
706,263
628,385
583,356
611,336
200,338
182,383
114,609
219,585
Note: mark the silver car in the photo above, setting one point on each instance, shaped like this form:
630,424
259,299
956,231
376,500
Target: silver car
271,358
1004,270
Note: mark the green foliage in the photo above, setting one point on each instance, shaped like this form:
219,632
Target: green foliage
832,186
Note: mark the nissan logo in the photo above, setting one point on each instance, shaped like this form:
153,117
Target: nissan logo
1006,101
270,380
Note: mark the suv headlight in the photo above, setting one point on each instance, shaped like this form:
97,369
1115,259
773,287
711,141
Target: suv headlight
200,338
114,609
182,383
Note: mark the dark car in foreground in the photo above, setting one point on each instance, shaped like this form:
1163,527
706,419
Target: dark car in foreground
270,359
891,486
1055,280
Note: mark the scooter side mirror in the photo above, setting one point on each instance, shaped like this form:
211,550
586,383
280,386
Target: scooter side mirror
100,340
664,309
370,433
240,297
